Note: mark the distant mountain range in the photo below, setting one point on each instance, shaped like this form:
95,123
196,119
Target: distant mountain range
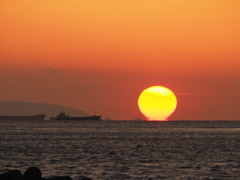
28,108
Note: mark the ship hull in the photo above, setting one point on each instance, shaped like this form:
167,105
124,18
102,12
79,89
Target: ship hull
87,118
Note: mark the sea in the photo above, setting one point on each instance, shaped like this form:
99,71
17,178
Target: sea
112,150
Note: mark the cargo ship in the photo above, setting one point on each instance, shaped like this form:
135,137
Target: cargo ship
63,116
38,117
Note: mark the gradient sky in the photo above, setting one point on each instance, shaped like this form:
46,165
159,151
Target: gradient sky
102,54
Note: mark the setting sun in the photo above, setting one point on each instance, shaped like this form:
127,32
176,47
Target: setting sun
157,103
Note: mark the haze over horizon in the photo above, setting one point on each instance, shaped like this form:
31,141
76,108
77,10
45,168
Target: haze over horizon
101,55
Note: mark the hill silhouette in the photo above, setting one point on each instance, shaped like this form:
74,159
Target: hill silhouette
29,108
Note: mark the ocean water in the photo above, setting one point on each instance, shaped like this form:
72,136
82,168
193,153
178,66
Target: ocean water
123,150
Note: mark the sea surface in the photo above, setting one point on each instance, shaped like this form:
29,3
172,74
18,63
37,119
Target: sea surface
123,150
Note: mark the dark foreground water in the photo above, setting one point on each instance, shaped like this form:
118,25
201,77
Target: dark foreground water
123,150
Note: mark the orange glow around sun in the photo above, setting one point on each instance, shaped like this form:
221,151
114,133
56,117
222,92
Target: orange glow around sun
157,103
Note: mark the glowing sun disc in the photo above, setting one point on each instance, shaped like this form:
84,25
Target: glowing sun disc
157,103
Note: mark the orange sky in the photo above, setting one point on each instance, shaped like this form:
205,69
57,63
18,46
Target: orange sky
104,53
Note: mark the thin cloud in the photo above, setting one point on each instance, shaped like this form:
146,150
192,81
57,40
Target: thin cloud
196,94
53,69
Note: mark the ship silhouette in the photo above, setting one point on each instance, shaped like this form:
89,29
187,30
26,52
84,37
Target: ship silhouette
64,116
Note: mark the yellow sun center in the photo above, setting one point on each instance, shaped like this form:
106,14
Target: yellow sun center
157,103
